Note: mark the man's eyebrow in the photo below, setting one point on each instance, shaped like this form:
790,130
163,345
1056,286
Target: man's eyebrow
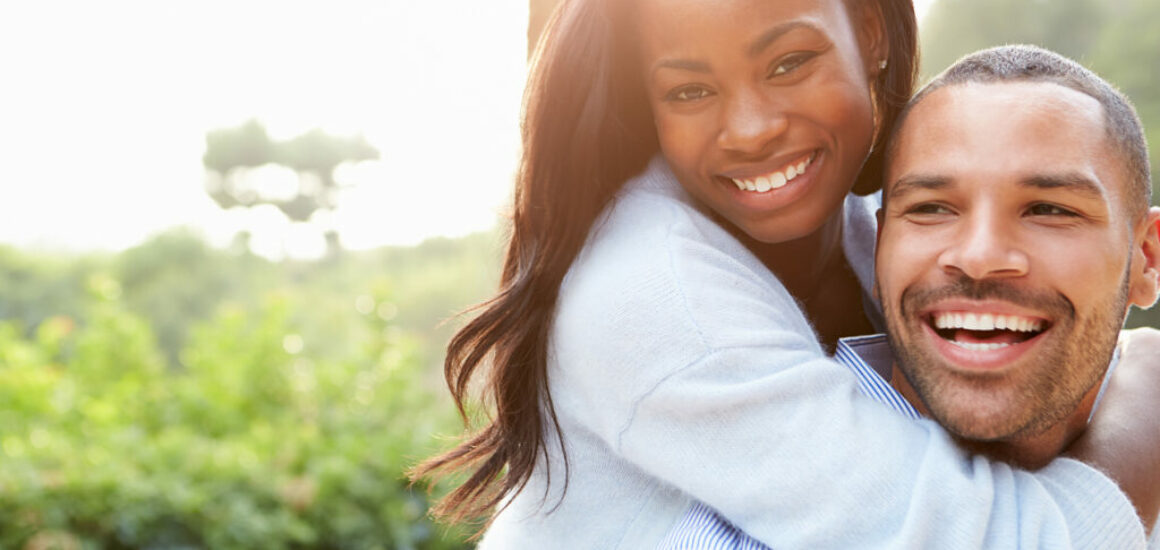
755,48
915,182
1068,181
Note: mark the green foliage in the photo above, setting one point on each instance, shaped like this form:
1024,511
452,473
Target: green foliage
285,418
176,279
36,286
441,277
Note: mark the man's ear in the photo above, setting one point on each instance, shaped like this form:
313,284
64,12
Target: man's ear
877,242
1145,275
878,236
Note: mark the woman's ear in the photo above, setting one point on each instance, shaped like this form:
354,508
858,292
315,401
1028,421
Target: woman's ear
871,28
1144,285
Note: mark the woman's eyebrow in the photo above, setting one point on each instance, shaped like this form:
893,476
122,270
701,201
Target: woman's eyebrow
682,65
777,31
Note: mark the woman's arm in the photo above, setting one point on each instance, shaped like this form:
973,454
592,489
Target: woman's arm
689,360
1123,439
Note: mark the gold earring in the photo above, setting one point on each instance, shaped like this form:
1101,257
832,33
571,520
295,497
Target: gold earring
882,65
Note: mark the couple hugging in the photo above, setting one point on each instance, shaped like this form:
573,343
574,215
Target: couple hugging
667,366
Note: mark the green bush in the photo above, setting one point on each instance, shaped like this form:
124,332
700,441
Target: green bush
252,442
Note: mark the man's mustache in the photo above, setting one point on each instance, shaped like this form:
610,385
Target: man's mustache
915,298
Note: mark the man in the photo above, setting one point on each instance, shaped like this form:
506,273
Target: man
1014,237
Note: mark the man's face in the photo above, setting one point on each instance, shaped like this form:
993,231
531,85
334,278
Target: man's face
1004,252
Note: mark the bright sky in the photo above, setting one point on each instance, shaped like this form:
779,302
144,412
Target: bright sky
105,106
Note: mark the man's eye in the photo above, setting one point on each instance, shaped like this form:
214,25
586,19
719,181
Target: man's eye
928,209
687,93
789,63
1044,209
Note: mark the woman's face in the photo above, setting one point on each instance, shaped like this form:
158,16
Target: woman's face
762,108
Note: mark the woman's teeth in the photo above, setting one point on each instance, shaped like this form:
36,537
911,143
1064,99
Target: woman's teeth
773,180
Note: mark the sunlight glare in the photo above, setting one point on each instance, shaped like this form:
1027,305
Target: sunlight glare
107,105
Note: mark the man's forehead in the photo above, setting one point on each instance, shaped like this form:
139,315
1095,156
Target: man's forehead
1044,94
1008,129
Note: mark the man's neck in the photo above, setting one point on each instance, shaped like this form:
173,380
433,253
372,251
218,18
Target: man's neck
1030,451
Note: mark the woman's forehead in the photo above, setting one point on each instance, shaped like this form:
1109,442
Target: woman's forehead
703,24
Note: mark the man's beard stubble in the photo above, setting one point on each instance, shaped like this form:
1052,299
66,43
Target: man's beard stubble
1059,376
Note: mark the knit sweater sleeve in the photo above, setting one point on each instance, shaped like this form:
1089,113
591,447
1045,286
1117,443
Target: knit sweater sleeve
698,367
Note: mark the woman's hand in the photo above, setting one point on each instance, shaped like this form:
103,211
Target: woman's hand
1123,439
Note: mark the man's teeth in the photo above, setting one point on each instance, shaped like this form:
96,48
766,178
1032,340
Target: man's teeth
773,180
986,321
977,346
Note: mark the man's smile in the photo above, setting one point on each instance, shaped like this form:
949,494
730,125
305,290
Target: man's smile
973,335
983,331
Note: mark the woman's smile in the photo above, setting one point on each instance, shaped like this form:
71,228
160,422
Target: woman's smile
775,179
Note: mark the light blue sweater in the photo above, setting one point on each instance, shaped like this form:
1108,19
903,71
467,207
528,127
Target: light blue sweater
681,369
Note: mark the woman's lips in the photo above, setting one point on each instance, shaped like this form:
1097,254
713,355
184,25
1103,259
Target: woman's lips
757,203
775,179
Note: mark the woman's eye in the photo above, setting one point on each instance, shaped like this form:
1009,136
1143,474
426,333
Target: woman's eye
1044,209
687,93
789,63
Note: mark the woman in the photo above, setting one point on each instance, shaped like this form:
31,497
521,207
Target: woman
647,347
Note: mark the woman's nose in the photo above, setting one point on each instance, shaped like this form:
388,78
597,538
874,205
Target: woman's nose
750,122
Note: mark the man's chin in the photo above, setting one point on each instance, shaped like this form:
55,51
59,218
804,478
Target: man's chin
986,422
976,405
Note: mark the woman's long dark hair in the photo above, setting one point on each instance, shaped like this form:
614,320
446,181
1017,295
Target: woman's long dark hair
893,87
587,129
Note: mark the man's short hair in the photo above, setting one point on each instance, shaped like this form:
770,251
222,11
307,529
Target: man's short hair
1023,63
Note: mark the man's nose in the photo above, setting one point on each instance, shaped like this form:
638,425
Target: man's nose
750,122
985,247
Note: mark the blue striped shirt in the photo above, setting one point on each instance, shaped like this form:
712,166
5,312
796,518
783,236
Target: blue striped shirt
701,528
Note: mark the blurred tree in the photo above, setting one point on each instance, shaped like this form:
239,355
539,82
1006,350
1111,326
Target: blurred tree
36,286
313,156
226,149
1128,54
175,279
954,28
